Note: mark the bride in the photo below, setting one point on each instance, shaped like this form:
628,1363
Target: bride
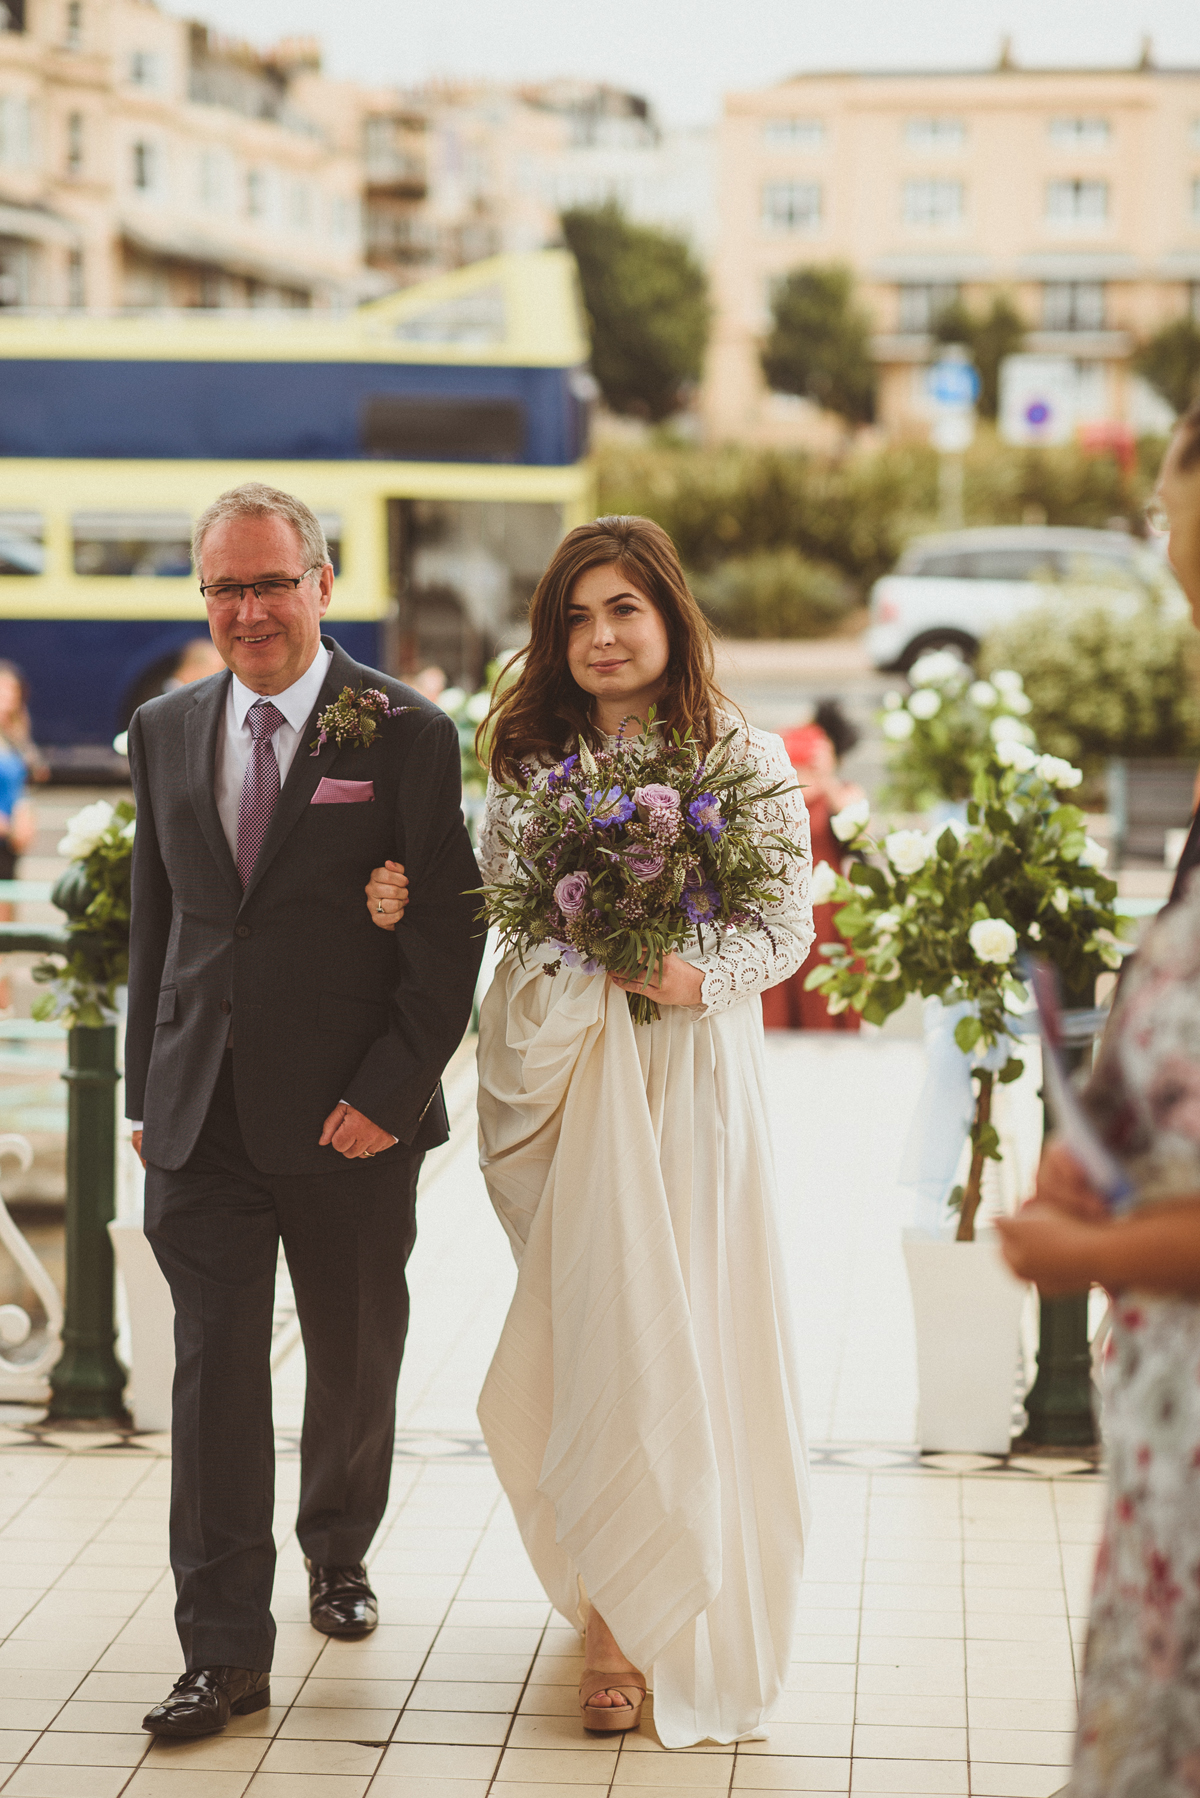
642,1407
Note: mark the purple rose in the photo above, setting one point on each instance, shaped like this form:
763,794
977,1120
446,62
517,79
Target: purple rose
644,863
705,814
655,798
571,894
608,806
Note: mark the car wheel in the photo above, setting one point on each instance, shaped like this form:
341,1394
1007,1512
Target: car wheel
959,642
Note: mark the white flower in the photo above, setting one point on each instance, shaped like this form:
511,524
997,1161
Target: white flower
1092,855
478,706
892,700
1007,680
1034,932
1019,703
897,727
992,939
1056,772
1011,753
907,850
85,829
925,703
982,693
940,668
121,742
127,835
1010,730
885,924
1060,899
823,884
850,821
451,698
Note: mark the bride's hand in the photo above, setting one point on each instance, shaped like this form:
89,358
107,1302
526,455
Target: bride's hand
679,984
387,895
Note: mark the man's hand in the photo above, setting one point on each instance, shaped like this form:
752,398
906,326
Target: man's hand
387,895
354,1135
136,1139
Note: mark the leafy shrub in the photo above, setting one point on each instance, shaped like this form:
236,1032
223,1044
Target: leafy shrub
775,593
1105,684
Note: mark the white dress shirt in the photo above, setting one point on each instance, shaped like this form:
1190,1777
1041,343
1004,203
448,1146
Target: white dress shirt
233,750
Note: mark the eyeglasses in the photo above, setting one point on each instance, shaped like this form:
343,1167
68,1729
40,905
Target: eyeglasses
1157,518
231,593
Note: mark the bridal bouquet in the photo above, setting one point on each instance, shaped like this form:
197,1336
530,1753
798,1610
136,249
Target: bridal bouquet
623,856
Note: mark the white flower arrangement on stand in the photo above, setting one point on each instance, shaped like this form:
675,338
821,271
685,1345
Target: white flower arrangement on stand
949,727
947,913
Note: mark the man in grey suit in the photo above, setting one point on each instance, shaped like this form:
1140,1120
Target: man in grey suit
285,1057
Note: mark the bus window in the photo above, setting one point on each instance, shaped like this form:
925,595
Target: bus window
21,543
331,524
134,543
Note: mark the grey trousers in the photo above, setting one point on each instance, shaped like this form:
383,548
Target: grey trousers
215,1226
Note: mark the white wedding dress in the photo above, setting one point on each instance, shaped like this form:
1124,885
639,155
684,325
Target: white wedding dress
642,1409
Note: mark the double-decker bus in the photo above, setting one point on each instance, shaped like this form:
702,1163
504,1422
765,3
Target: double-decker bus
440,434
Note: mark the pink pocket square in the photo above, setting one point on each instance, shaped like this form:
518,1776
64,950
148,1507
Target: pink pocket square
342,792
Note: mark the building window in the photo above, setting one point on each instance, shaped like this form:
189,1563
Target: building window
935,136
75,143
922,304
794,134
76,294
143,68
1077,202
73,25
299,206
256,193
214,180
343,217
145,166
791,206
1073,306
939,203
16,131
1080,134
12,15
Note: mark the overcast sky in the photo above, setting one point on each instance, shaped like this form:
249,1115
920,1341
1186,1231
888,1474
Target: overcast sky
685,53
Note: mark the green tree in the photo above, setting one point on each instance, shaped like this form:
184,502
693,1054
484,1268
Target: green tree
1170,361
990,336
647,298
820,343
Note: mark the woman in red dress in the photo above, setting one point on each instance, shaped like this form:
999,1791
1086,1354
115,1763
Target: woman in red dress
812,752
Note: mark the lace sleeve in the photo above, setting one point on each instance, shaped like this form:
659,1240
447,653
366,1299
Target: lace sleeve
492,855
749,960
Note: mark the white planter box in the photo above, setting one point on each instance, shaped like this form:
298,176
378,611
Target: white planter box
967,1311
151,1326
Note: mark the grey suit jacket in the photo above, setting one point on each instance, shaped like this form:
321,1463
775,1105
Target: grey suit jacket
323,1005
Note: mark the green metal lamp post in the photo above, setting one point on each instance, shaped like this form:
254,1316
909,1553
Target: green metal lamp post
1059,1404
88,1382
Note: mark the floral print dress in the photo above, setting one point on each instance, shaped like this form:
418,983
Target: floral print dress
1139,1716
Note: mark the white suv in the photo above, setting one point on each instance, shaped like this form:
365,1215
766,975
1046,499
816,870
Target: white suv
947,592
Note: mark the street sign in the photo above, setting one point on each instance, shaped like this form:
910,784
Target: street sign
1039,399
952,385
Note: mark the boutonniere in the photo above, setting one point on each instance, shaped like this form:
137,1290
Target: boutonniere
354,718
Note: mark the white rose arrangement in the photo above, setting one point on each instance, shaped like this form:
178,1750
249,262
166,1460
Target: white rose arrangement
947,913
949,726
94,893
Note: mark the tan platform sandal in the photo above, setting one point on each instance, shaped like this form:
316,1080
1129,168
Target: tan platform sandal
611,1719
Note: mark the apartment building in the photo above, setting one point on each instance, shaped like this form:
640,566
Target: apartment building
1076,192
147,162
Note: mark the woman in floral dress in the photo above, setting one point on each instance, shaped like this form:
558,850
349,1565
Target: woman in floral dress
1139,1713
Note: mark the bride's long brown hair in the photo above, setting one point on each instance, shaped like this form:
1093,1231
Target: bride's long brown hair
544,711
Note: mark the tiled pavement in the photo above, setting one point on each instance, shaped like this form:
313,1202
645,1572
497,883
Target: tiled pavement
943,1602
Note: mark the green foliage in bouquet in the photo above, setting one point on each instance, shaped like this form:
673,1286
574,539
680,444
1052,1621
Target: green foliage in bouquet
946,914
1105,682
627,855
948,728
94,893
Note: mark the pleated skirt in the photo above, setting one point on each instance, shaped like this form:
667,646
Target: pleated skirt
642,1408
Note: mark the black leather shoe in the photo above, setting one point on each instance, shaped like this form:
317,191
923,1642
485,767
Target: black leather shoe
340,1602
201,1703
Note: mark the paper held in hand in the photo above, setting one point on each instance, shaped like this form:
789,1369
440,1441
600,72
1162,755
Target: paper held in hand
1072,1122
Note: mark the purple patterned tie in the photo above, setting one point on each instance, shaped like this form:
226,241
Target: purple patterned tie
260,788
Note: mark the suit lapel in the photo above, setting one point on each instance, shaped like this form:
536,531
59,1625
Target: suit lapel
307,769
200,729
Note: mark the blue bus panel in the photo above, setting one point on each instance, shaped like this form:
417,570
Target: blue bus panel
290,411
